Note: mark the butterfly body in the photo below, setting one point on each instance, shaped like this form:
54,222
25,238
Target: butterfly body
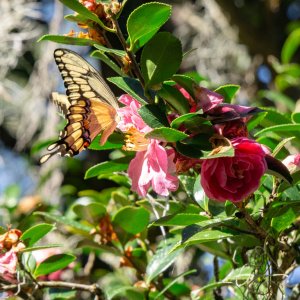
89,106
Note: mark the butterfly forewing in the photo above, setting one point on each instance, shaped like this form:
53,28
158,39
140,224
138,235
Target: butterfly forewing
89,107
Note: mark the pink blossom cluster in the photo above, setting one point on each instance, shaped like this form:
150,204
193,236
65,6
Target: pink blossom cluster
10,245
156,163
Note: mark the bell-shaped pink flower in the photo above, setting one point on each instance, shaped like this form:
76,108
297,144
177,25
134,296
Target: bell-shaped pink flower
153,167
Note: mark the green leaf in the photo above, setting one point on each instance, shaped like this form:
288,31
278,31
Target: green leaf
115,141
153,116
161,58
78,19
103,57
117,165
288,129
145,21
199,194
174,98
35,233
117,52
68,40
168,286
166,134
91,212
83,11
53,263
162,259
284,217
243,273
131,86
228,91
185,119
296,117
186,82
132,219
277,97
256,120
64,220
180,219
62,295
290,46
48,246
205,236
280,146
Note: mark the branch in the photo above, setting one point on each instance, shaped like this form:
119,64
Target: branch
135,65
93,288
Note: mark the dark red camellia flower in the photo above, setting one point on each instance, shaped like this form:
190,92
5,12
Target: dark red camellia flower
234,178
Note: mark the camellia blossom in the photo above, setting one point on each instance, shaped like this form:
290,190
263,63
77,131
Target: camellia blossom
153,165
234,178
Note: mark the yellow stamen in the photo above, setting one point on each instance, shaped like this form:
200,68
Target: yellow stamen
135,140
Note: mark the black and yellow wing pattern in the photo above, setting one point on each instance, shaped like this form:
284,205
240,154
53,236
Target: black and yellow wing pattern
89,106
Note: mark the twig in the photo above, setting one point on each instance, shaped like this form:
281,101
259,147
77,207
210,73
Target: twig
93,288
135,66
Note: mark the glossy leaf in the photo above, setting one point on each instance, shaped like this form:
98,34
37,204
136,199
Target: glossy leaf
288,129
190,120
83,11
104,58
208,236
67,40
145,21
290,46
180,219
53,263
116,165
35,233
115,141
132,219
174,98
91,212
199,194
65,221
185,82
228,91
296,117
166,134
161,58
131,86
162,259
117,52
153,116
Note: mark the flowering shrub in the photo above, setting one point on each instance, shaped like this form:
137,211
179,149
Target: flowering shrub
186,159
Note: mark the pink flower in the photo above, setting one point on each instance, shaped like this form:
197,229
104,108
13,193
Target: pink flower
234,178
129,115
8,265
292,162
153,167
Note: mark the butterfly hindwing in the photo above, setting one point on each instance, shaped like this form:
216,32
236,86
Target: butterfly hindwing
89,107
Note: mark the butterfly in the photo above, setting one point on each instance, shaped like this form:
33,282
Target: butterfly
89,106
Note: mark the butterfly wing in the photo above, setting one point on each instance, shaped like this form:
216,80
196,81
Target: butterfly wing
62,103
91,109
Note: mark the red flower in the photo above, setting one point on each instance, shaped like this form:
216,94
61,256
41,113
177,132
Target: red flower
234,178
